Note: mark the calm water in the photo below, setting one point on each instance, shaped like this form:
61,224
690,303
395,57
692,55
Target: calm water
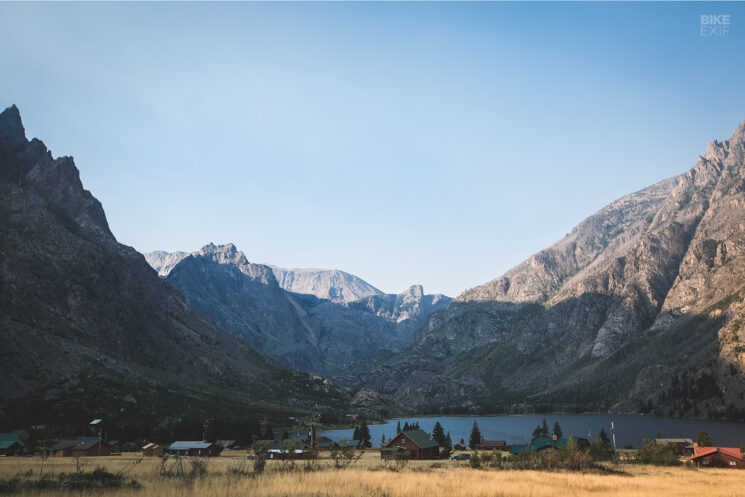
630,430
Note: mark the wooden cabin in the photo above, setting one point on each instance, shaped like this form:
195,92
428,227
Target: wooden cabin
194,448
680,445
152,450
10,444
717,457
80,448
492,445
418,444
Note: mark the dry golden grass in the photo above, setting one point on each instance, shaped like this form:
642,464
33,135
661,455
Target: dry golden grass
370,478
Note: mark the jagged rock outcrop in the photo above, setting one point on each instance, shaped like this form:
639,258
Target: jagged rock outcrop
86,323
163,262
651,286
301,331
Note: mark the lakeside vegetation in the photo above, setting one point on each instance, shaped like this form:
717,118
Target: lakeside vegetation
232,475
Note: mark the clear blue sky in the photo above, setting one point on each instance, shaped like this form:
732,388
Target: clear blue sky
431,143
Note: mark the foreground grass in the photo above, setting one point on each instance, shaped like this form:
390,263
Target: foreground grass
370,478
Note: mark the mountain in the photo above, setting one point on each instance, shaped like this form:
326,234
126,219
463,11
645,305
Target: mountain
90,330
163,262
329,284
302,331
639,308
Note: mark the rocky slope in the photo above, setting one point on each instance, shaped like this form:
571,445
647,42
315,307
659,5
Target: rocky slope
302,331
640,307
89,328
163,262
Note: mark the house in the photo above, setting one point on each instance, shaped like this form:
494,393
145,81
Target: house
681,445
492,445
459,447
194,448
152,450
10,444
80,448
717,457
351,417
545,445
416,442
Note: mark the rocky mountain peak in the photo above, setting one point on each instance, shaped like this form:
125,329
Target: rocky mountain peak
414,292
224,254
11,126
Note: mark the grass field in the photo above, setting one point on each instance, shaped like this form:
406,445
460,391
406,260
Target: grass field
370,477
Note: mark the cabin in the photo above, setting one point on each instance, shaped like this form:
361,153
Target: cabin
546,445
10,444
459,447
681,445
194,448
717,457
325,443
491,445
80,448
152,450
418,444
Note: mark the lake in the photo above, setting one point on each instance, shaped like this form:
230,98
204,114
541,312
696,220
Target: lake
630,429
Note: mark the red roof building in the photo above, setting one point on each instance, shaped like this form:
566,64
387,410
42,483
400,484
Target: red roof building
717,457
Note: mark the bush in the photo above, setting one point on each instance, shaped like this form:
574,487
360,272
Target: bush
98,479
658,455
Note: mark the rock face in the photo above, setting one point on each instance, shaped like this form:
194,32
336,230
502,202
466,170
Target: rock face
302,331
329,284
85,322
651,286
163,262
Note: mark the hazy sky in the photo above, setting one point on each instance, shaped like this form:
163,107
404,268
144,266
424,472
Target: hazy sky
425,143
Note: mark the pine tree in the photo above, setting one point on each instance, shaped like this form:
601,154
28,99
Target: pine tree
268,433
398,428
603,438
365,435
406,426
285,435
702,439
537,433
356,435
414,425
438,434
544,429
382,440
475,436
557,430
448,442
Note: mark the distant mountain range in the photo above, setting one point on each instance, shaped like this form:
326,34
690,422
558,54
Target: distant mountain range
90,330
302,330
640,308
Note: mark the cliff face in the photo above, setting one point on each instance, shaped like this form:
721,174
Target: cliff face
329,284
302,331
646,292
79,310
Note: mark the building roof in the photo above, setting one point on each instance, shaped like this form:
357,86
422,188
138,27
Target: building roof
186,445
538,444
518,448
420,438
6,444
151,445
705,451
491,443
10,437
75,444
674,441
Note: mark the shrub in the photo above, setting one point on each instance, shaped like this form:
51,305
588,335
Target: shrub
658,455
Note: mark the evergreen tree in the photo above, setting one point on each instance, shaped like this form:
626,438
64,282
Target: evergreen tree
406,426
475,436
448,442
356,435
268,433
603,438
285,435
382,440
544,429
702,438
557,430
398,428
438,434
365,435
415,426
537,433
462,442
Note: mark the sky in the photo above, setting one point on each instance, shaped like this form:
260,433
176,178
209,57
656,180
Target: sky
406,143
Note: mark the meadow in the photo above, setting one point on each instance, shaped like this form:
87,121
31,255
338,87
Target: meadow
369,476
